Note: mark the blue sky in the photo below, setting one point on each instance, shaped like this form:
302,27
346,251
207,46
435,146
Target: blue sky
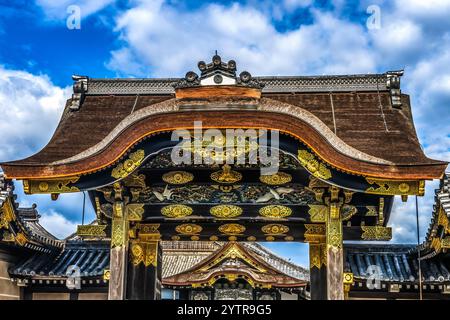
156,38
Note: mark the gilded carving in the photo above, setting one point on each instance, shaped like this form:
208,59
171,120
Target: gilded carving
188,229
317,255
393,187
122,170
313,165
144,252
317,212
275,229
21,239
348,211
119,232
106,274
232,229
226,175
148,229
315,233
54,186
7,214
135,180
178,177
176,211
134,211
226,211
275,211
276,179
376,233
334,227
371,211
95,231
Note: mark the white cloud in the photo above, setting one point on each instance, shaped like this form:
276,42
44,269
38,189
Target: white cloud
57,224
167,42
30,108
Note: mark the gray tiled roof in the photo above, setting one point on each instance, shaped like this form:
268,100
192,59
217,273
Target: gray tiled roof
338,83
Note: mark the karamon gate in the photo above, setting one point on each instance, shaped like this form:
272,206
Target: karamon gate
159,159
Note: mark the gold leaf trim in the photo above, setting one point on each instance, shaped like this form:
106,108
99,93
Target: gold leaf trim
376,233
226,175
91,231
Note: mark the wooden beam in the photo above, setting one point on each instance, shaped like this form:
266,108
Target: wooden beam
335,253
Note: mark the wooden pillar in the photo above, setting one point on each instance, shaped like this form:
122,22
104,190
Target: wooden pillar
119,249
315,236
335,252
144,268
318,271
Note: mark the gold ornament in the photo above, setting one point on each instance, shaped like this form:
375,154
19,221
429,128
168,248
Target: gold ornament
134,211
213,238
392,187
317,212
376,233
226,211
178,177
144,252
232,229
275,211
275,229
95,231
176,211
314,166
54,186
251,238
276,179
188,229
226,175
315,233
134,160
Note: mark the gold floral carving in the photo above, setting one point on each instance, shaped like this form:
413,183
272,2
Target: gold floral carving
226,175
313,165
232,229
275,211
178,177
226,211
371,211
276,179
54,186
129,165
317,212
134,211
188,229
149,229
176,211
376,233
97,231
393,187
275,229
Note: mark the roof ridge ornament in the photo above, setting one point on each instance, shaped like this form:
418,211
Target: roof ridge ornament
393,84
217,72
80,87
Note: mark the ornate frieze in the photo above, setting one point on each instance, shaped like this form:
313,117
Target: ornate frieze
315,233
376,233
176,211
226,211
122,170
275,211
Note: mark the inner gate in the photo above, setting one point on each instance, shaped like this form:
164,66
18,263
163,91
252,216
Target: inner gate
172,171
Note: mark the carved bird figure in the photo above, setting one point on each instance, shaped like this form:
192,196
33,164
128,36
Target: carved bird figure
277,194
166,194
